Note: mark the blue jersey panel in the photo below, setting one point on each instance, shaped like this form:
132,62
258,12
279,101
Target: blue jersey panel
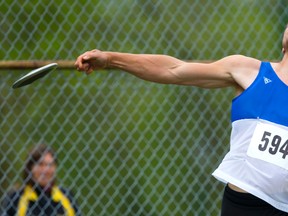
266,98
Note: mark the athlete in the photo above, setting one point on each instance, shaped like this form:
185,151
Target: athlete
256,167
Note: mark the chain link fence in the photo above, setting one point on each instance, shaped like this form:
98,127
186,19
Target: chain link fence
126,146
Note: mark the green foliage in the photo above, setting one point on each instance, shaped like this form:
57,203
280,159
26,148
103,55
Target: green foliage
97,121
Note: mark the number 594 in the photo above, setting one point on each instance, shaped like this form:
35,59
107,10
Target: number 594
273,144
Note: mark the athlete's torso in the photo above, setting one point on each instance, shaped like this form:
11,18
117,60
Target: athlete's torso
258,158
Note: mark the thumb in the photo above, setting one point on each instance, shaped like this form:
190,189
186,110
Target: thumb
85,57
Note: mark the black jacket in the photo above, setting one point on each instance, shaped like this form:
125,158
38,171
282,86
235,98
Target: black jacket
40,202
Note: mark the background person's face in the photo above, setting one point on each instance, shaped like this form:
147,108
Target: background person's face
44,171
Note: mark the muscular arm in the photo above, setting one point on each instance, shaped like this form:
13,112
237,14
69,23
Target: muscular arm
236,70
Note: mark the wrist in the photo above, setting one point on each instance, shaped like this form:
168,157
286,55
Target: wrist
108,57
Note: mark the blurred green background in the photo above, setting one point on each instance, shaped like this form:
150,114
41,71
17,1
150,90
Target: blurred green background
127,146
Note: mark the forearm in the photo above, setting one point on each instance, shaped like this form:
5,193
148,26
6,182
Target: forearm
155,68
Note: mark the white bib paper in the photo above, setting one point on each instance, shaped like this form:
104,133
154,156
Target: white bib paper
270,143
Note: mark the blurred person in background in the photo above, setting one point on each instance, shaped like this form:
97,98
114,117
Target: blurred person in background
255,170
40,194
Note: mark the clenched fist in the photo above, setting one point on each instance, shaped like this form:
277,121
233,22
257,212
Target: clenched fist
91,60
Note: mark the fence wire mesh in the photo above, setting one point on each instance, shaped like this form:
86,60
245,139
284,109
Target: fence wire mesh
127,146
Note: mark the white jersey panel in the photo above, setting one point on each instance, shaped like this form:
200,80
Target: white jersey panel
257,161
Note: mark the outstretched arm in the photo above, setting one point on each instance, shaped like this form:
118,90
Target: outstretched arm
236,70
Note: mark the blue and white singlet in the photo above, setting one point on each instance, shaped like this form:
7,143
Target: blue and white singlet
258,158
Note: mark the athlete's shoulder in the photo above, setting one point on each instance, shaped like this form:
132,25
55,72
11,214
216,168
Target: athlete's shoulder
241,61
242,68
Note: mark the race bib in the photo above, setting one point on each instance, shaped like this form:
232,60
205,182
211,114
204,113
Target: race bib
270,143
